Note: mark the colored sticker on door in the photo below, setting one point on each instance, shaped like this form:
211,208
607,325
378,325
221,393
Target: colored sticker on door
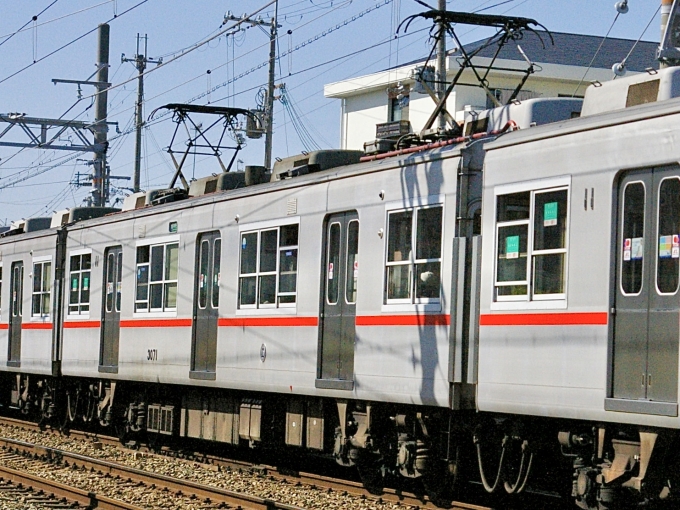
636,248
550,214
665,245
512,247
626,248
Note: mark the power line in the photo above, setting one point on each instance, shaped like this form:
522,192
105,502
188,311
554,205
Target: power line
34,18
70,43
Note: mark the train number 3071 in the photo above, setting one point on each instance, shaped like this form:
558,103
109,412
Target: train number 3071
152,355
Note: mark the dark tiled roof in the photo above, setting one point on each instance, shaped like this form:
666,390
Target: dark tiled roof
576,50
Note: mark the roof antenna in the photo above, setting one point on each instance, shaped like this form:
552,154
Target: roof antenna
622,7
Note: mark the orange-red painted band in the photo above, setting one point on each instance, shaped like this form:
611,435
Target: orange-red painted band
81,324
4,326
404,320
36,325
268,321
156,323
545,319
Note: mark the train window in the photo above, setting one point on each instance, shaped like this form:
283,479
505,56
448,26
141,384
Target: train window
157,268
352,270
531,236
668,261
333,251
414,277
633,236
79,288
268,267
203,274
550,242
288,254
217,254
42,287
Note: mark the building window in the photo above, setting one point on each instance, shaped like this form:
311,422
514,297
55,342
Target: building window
79,289
157,268
414,276
268,268
42,287
531,240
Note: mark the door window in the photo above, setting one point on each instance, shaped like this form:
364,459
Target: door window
668,248
632,248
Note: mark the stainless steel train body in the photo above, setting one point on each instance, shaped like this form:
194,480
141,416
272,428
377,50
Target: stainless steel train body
262,346
384,311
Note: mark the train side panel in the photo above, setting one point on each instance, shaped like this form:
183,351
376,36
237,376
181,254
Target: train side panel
551,357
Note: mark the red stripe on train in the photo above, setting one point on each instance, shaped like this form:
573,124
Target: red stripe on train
545,319
156,323
4,326
268,321
404,320
36,325
81,324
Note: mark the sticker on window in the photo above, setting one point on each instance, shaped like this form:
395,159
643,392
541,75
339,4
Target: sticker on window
675,252
356,268
86,283
243,243
512,247
665,244
550,214
636,248
330,270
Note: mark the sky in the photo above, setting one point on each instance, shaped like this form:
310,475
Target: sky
320,42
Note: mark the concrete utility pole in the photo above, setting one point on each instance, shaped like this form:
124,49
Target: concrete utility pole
441,64
140,62
269,103
100,183
666,6
270,91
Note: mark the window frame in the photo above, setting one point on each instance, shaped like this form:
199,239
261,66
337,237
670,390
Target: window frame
530,300
43,262
419,303
164,282
657,240
645,228
80,303
278,307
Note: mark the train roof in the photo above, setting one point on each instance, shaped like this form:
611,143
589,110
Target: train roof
341,172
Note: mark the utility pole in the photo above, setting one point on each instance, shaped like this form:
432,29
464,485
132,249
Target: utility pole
270,92
140,62
269,103
100,181
441,63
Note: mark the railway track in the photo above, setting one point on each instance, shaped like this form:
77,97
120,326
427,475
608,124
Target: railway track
182,484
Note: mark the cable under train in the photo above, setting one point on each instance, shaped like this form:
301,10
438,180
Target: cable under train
502,306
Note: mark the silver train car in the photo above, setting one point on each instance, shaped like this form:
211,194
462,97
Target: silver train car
511,293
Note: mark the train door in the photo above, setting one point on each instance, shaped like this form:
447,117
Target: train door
16,311
206,305
647,318
338,306
113,271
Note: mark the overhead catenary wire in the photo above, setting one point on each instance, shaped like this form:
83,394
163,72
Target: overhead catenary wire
30,21
3,80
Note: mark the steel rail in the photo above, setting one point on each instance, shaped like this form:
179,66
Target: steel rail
174,485
60,490
336,484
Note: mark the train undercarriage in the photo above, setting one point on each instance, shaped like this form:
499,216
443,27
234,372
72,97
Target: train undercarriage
611,466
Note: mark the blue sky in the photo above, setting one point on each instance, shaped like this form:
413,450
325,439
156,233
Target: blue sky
320,31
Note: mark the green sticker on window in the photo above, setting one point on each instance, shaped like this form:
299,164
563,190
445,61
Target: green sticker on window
550,214
512,247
